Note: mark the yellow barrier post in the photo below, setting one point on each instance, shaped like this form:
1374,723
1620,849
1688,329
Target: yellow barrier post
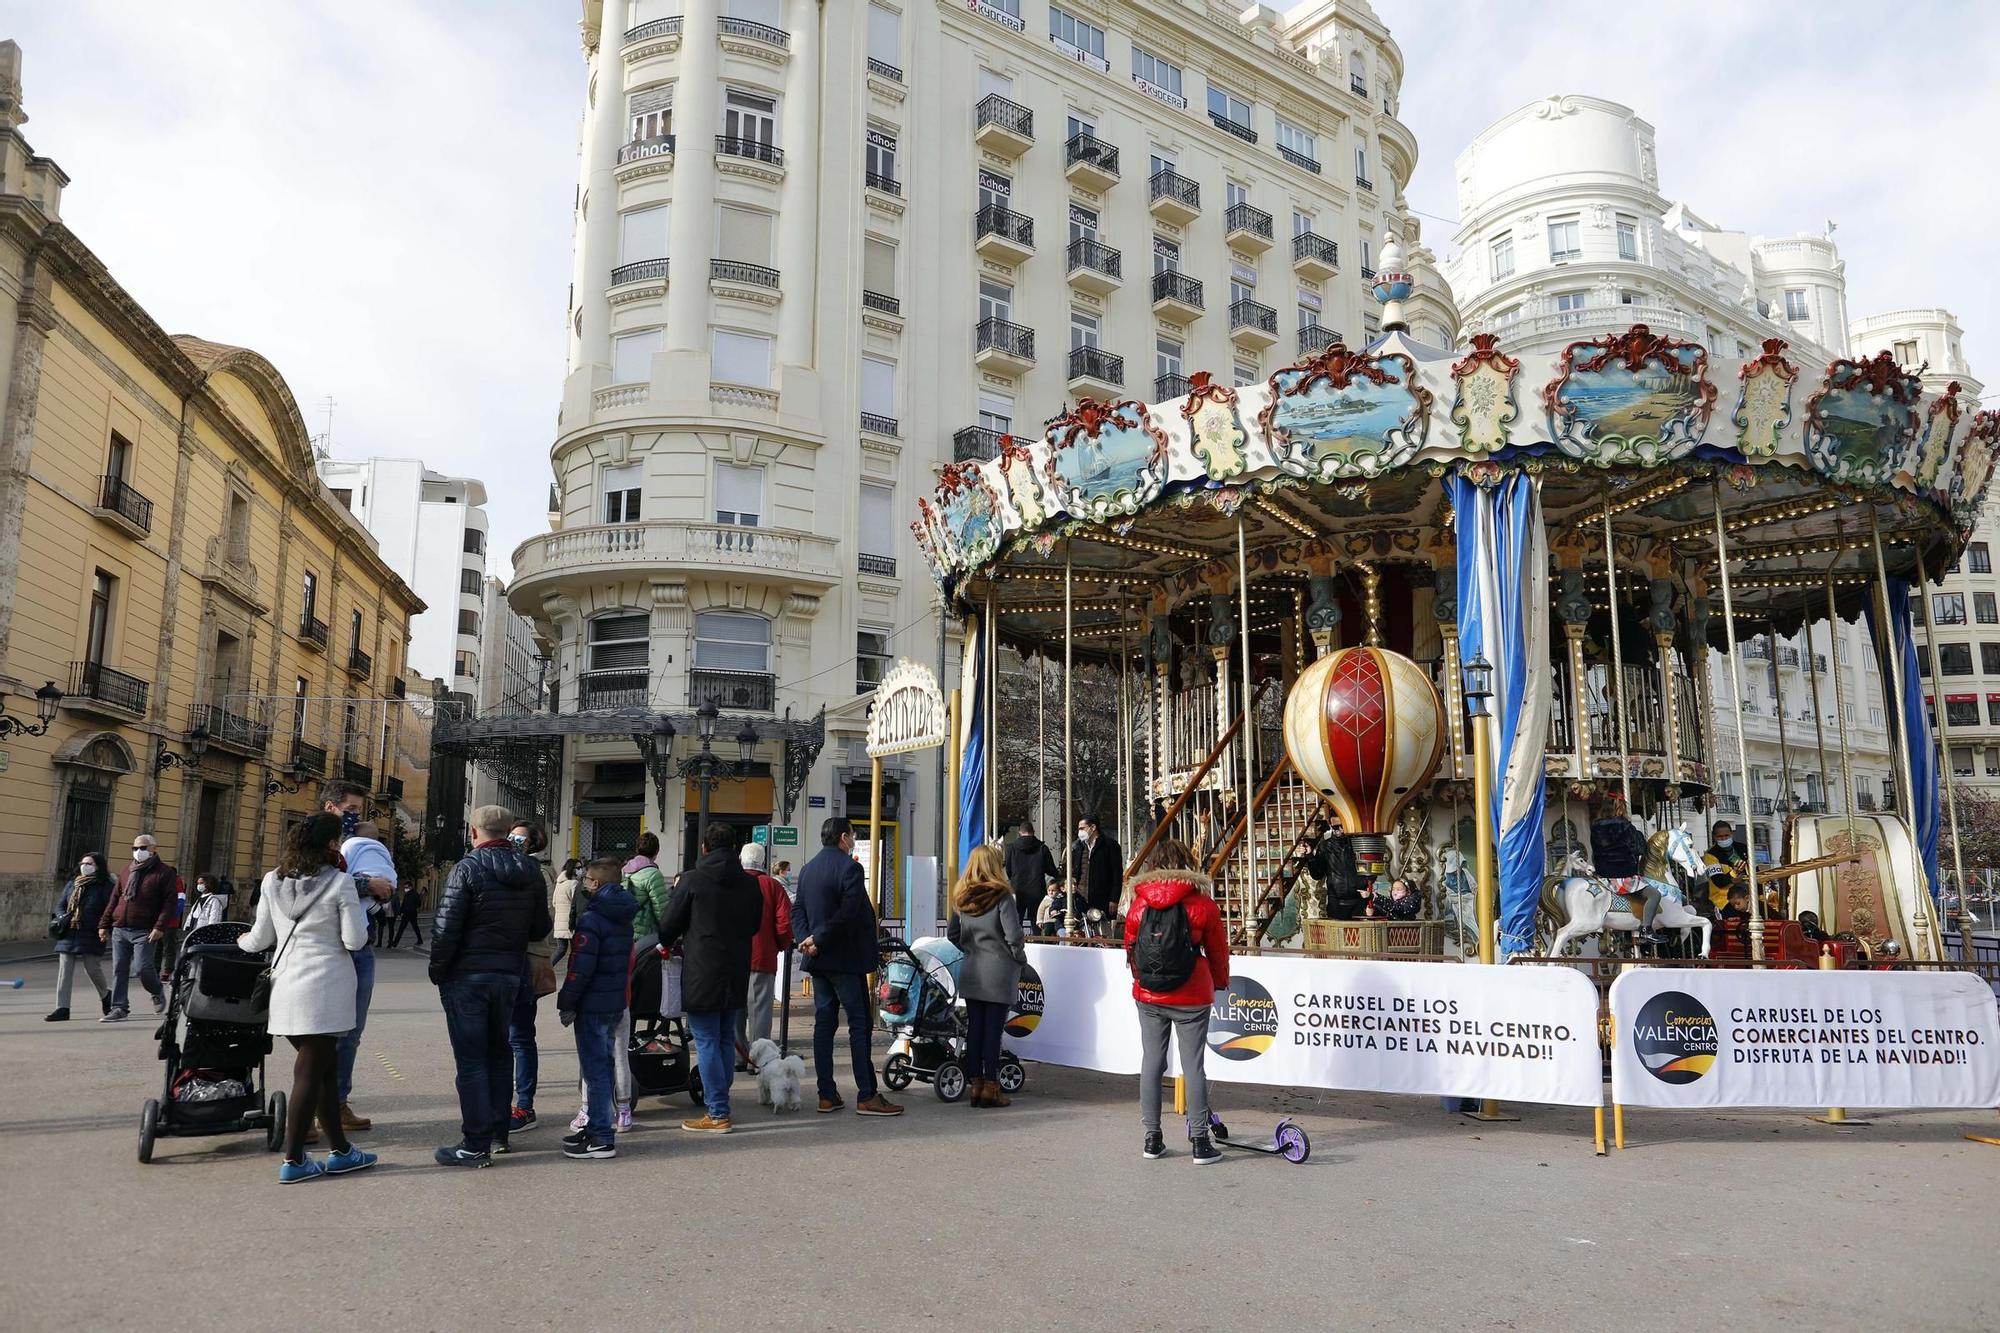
1835,1115
1597,1115
1180,1095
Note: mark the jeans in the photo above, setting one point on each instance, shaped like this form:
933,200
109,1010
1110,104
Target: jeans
127,947
754,1023
521,1036
985,1021
1189,1024
715,1054
476,1009
832,993
350,1044
595,1035
66,964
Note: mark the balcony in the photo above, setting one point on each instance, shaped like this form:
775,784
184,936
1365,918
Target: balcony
638,282
975,444
1003,127
1171,386
1253,324
1756,650
644,157
1298,159
1363,183
754,149
1173,197
1356,86
1228,126
629,550
886,184
1314,257
1313,339
1095,373
1760,805
733,691
1247,228
884,304
1095,267
764,33
877,424
98,690
1003,347
724,274
1176,296
667,27
361,775
359,664
884,565
227,730
611,689
308,760
1728,803
1002,235
122,507
1090,162
312,631
885,69
1367,273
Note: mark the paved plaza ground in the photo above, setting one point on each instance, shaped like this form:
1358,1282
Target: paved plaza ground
1039,1216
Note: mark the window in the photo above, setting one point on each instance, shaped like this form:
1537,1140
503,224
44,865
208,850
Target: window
642,234
757,11
1954,659
1162,160
749,117
1993,710
1367,256
1923,660
878,386
469,582
1072,31
1301,222
1948,607
996,300
739,495
871,658
1084,329
743,235
1082,223
878,520
731,641
309,596
1166,356
1501,251
1984,610
1357,73
466,664
1962,713
618,656
1795,303
621,493
1979,558
1628,237
996,411
354,633
1242,283
350,732
475,542
1570,307
1308,310
1157,75
97,632
298,710
238,529
1507,318
468,623
1294,139
1166,255
1234,193
885,37
1989,658
994,189
990,82
1361,163
878,266
651,112
1246,373
1225,105
1564,242
632,355
1907,354
882,159
741,358
118,458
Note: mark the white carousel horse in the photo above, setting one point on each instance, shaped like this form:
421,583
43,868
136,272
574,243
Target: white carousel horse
1581,904
1456,896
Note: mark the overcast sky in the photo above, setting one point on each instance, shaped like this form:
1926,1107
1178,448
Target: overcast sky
375,193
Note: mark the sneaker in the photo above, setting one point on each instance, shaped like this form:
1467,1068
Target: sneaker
586,1151
624,1118
877,1105
115,1016
708,1124
340,1163
520,1118
160,1001
460,1155
828,1105
291,1173
576,1140
582,1119
350,1121
1155,1145
501,1148
59,1016
1205,1151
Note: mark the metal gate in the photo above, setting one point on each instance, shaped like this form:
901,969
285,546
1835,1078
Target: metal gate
86,826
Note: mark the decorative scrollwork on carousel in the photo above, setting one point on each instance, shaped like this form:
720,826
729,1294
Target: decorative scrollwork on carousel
1346,414
1940,423
1764,401
1483,404
1975,468
1105,460
1215,427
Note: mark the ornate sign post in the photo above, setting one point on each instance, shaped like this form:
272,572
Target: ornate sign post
909,714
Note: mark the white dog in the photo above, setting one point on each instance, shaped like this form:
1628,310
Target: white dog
778,1075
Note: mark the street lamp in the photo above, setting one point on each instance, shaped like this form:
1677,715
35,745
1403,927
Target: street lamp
47,699
164,759
705,768
655,747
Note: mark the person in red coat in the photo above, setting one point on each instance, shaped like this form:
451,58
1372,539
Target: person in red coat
773,938
1178,952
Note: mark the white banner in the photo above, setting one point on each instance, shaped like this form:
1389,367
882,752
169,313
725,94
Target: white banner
1522,1034
1714,1037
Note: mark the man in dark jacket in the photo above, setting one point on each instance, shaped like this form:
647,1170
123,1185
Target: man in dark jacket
835,926
493,904
592,1000
712,913
1097,871
1618,855
135,921
1030,867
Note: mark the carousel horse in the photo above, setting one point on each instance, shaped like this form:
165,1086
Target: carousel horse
1582,904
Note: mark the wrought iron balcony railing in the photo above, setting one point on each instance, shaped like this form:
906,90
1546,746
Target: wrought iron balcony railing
101,684
115,497
738,691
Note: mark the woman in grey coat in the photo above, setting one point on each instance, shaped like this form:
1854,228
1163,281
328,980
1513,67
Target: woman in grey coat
987,928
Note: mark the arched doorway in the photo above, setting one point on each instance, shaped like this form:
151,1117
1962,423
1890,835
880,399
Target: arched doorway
89,769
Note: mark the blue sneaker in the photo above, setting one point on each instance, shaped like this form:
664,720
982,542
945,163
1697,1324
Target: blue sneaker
460,1155
291,1173
340,1163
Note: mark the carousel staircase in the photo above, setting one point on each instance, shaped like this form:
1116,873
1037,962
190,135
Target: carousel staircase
1291,819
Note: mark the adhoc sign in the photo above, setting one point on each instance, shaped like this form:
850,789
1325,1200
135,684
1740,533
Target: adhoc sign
908,713
1714,1037
1524,1034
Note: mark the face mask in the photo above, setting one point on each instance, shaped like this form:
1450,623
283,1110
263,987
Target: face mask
200,886
1725,842
350,820
140,856
88,869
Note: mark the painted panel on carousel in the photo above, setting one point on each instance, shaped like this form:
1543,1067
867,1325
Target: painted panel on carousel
1764,401
1024,493
1346,414
1632,397
1106,460
971,520
1974,467
1863,420
1940,424
928,543
1217,434
1483,404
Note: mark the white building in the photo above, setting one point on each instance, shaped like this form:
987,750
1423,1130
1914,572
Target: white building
1564,235
804,280
512,681
432,531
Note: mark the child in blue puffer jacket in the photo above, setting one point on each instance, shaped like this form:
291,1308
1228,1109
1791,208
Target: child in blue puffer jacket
593,998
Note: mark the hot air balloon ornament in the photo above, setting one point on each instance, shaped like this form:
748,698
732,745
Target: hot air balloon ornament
1365,728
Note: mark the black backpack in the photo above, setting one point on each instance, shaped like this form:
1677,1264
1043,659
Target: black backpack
1163,955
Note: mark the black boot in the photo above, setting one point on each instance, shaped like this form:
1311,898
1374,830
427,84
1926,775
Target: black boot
59,1016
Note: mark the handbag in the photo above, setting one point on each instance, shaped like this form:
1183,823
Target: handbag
63,919
542,973
260,992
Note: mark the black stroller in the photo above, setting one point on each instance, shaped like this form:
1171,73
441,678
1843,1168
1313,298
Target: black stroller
213,1042
661,1055
915,1001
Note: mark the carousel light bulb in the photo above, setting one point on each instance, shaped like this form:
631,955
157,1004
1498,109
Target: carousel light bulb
1364,727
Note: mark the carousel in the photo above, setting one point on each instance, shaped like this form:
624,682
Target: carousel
1432,605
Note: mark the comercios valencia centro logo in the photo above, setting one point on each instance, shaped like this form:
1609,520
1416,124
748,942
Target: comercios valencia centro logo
1243,1020
1674,1036
1026,1015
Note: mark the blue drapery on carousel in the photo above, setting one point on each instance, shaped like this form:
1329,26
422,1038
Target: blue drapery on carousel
1912,719
971,742
1503,615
